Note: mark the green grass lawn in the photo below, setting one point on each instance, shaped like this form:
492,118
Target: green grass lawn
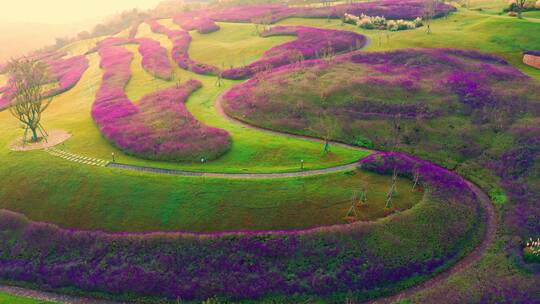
71,195
532,14
6,298
50,189
235,44
501,35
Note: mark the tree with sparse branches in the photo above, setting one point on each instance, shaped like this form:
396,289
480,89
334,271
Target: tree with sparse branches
429,13
396,137
28,78
326,126
520,5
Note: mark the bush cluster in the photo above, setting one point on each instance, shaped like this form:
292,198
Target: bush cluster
381,23
159,127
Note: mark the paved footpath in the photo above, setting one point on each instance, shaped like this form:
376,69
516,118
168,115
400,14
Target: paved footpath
470,260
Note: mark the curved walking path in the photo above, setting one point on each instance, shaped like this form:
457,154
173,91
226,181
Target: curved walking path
467,261
220,111
490,219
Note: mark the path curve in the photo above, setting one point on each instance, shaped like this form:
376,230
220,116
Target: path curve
219,109
490,233
490,219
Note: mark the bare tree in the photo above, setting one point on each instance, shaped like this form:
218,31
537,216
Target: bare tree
326,52
392,190
429,13
296,57
28,80
326,127
416,177
520,5
396,138
219,79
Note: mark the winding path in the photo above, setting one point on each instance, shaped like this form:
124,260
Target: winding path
490,233
490,219
221,112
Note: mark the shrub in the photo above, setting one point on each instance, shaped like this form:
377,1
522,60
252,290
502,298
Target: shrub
159,127
382,23
181,40
193,21
154,57
532,251
310,42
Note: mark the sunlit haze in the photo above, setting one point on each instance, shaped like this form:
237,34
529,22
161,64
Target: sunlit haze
66,11
26,25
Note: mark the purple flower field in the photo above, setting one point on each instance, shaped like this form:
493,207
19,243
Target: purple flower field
437,82
154,57
391,9
310,43
333,260
192,21
181,40
159,127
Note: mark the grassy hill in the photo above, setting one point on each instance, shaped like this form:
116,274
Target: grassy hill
46,188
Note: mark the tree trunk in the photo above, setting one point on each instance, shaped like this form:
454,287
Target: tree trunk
34,135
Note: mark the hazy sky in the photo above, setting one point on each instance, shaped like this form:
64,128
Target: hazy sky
66,11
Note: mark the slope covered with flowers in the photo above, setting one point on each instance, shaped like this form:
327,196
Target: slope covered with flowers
426,84
391,9
181,40
466,110
159,127
310,43
331,262
154,57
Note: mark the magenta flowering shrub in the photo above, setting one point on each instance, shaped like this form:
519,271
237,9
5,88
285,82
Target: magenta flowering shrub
190,21
391,9
445,184
310,42
159,127
66,72
249,13
417,84
154,57
338,261
181,40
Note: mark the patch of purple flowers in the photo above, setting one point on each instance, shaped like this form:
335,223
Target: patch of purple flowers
250,265
159,127
154,57
190,21
310,43
66,72
181,40
391,9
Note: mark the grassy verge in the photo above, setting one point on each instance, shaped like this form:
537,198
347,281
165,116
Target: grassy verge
6,298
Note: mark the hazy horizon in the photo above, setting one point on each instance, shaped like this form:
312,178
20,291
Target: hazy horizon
26,25
56,12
